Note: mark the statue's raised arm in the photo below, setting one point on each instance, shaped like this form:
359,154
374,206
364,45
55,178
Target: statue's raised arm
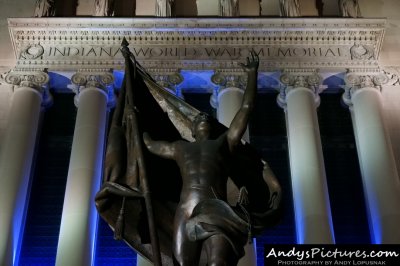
239,122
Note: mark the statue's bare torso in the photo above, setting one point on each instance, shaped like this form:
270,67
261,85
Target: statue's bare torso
204,167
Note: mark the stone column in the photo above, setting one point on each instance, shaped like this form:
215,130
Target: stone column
79,216
227,99
299,97
17,156
378,168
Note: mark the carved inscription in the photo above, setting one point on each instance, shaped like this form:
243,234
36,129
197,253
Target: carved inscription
192,53
203,43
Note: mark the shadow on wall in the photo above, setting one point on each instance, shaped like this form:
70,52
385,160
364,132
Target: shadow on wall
66,8
125,8
185,8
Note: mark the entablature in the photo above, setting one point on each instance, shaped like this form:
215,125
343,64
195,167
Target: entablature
160,44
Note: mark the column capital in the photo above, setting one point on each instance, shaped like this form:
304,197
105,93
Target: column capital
32,79
292,81
229,79
37,80
355,82
226,80
103,81
170,81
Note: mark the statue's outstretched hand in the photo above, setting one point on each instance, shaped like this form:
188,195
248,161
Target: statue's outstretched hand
147,139
252,63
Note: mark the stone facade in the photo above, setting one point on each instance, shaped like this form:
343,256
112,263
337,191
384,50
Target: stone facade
201,55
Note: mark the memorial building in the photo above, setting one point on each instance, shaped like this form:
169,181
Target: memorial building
326,116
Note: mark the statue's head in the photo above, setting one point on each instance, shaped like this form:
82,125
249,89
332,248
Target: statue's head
201,127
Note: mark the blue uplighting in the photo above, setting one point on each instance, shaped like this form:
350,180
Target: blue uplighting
59,82
334,81
118,78
195,80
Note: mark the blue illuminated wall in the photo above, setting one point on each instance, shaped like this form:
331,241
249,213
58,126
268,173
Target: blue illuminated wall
48,185
343,173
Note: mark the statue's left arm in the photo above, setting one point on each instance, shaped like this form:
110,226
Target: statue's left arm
164,149
239,122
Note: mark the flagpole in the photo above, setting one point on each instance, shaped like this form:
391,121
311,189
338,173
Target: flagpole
140,159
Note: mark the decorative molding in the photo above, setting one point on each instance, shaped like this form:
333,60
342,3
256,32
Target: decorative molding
34,79
364,81
101,81
175,79
224,80
32,51
93,79
218,79
305,79
356,82
227,80
3,77
393,76
295,80
197,43
31,79
362,52
168,23
170,81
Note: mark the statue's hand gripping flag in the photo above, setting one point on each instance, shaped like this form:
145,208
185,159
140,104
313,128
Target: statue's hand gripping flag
130,170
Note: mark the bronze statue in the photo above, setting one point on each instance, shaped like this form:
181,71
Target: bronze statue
204,167
170,214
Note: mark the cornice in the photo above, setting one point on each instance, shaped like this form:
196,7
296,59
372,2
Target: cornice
197,43
199,22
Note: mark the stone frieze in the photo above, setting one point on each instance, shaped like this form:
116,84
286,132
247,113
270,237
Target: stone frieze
197,44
